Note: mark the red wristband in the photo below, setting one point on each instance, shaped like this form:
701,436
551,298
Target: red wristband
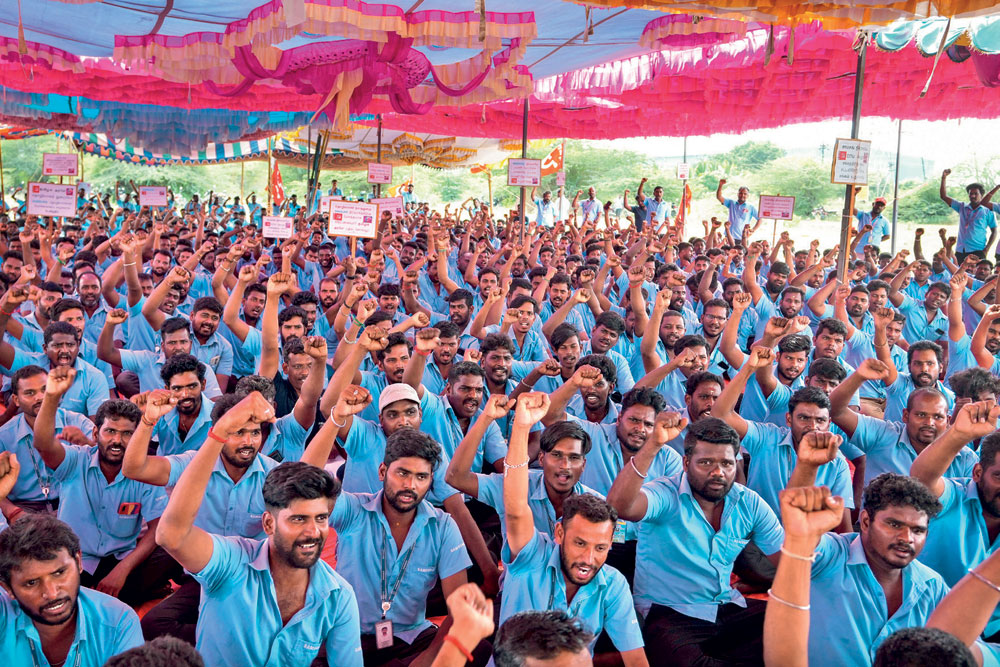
425,353
454,642
214,436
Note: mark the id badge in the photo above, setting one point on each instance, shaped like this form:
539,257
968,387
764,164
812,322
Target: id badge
619,534
383,634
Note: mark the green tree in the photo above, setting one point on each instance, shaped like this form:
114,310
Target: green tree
806,179
922,204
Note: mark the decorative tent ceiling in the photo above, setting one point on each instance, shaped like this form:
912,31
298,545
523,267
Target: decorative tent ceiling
960,39
177,76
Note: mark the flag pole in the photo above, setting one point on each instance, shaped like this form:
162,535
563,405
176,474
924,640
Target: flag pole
524,154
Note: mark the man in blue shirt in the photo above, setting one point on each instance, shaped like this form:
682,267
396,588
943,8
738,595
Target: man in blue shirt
46,617
567,570
334,191
308,605
740,213
692,528
108,510
657,208
925,319
878,232
973,220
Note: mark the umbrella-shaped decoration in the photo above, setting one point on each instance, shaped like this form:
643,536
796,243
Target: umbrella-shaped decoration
959,39
682,31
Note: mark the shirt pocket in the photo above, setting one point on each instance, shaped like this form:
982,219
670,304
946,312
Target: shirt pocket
253,526
728,547
124,525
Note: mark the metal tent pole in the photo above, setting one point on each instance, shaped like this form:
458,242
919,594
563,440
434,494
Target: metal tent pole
895,187
378,154
846,219
524,154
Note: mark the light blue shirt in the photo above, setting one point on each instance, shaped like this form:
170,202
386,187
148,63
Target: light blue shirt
231,509
916,326
739,216
286,440
534,581
99,512
535,348
576,408
624,380
441,423
365,448
972,226
960,358
165,432
542,511
216,353
957,538
686,563
880,228
887,446
147,365
237,581
849,618
139,334
899,392
861,346
435,549
658,210
17,437
90,387
105,627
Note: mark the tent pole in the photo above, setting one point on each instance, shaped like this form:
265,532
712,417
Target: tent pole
378,155
524,154
846,220
3,190
895,187
269,212
243,167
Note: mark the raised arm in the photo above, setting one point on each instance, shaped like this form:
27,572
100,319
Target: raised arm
531,407
973,421
817,448
277,285
559,316
883,317
718,191
956,322
106,350
59,381
750,273
624,494
840,398
944,187
352,401
968,607
151,309
725,405
231,313
138,464
978,345
371,340
647,347
895,296
189,545
459,473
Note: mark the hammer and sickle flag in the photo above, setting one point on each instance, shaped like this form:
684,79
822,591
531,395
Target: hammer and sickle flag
553,162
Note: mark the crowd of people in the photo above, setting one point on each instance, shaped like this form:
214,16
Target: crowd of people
473,439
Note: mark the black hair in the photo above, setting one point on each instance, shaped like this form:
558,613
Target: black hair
561,334
859,289
602,363
561,279
255,287
833,325
49,286
389,289
690,340
295,480
541,635
561,430
448,329
251,383
925,391
643,396
811,395
878,284
700,378
212,305
923,647
989,446
23,373
290,313
392,340
716,303
942,287
592,508
165,651
780,268
975,186
892,490
713,431
408,442
794,343
461,295
60,328
224,404
973,382
921,346
34,537
610,320
496,341
173,325
117,408
522,299
62,305
828,369
182,363
463,368
376,317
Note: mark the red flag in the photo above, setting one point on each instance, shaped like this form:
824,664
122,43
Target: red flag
277,187
553,162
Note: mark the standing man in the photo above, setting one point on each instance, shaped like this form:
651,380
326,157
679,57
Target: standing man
546,208
657,208
973,220
740,213
590,207
878,227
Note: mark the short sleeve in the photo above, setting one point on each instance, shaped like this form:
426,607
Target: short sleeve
128,632
252,343
345,513
490,490
619,614
829,552
97,390
292,440
956,206
225,366
842,482
494,445
132,360
343,641
454,557
154,502
767,532
531,557
872,432
759,435
661,500
72,464
228,556
178,464
361,438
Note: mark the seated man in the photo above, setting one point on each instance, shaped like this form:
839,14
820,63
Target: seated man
567,570
308,605
40,575
108,510
692,527
542,638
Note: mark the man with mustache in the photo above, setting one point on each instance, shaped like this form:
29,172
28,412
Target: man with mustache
308,606
565,345
690,356
565,569
594,403
40,569
892,446
692,527
436,372
35,488
923,359
108,509
978,350
609,327
924,319
393,546
963,535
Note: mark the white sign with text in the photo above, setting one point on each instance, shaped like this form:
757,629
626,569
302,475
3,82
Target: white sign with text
51,199
524,172
353,218
152,195
379,174
277,227
60,164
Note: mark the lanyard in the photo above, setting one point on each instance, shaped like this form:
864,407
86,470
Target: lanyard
34,655
388,597
44,481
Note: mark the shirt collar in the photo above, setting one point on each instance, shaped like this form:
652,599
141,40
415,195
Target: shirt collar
256,467
320,582
96,463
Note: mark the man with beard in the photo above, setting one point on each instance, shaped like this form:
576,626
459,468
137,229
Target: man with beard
892,446
777,280
436,371
985,343
594,403
397,538
562,457
60,347
878,227
175,339
974,219
108,509
664,328
448,417
308,604
40,572
773,449
923,360
208,345
866,585
714,315
608,329
559,295
692,528
740,213
613,446
924,319
690,356
35,489
657,208
160,264
186,426
966,351
565,344
545,207
590,207
887,326
233,504
563,567
242,313
518,323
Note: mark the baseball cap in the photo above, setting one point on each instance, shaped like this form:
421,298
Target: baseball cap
879,200
397,392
